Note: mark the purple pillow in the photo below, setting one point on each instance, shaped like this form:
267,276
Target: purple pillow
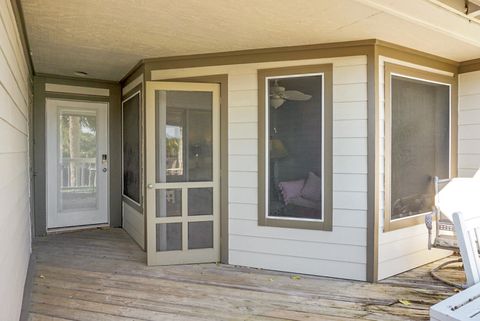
303,202
291,189
312,190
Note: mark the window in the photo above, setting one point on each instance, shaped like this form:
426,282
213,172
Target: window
295,147
417,142
131,138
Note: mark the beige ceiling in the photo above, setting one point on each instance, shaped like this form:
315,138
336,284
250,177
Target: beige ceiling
105,38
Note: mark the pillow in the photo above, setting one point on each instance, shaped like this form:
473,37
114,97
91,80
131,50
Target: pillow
291,189
312,190
303,202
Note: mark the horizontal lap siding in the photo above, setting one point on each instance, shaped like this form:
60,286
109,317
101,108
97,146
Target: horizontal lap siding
134,224
340,253
469,124
404,249
15,236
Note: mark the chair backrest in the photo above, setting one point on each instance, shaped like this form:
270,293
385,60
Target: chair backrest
467,229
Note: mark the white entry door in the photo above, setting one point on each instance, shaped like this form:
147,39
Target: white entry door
182,173
77,163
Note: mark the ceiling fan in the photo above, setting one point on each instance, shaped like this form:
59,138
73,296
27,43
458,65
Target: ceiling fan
279,95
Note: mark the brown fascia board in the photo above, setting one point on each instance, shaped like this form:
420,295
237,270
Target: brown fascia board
294,53
469,66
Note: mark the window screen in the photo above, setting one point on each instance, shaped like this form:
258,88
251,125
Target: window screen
420,141
294,116
131,148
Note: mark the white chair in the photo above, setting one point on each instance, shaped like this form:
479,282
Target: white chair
457,195
468,233
466,304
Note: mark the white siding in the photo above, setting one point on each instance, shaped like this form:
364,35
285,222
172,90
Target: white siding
15,238
469,124
403,249
340,253
134,224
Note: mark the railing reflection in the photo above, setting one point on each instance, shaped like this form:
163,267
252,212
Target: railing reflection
78,175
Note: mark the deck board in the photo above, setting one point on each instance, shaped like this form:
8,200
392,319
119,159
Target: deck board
101,275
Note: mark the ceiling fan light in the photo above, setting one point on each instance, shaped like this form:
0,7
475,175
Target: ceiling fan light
276,102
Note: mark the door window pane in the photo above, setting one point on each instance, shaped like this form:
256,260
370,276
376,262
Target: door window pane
169,202
200,235
169,237
184,127
295,119
200,201
420,143
78,161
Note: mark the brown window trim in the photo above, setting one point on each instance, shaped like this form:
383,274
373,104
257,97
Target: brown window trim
137,90
390,68
263,220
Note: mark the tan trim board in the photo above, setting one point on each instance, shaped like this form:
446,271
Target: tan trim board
327,211
77,90
66,79
469,66
133,84
391,50
373,145
391,225
132,91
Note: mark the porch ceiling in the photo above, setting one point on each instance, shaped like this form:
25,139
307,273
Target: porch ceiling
105,38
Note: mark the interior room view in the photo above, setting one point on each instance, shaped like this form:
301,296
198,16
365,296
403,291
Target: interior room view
239,160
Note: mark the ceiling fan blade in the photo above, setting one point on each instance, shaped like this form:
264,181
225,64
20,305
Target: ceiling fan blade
296,95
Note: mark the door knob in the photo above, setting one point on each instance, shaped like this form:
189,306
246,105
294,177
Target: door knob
150,186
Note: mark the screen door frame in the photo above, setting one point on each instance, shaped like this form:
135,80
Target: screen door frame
185,255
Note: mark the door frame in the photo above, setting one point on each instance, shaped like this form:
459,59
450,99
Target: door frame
222,80
109,162
195,255
110,95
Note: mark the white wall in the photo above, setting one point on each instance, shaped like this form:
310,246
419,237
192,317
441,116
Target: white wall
15,238
404,249
340,253
469,124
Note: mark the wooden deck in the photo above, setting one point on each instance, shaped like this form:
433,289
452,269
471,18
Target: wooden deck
101,275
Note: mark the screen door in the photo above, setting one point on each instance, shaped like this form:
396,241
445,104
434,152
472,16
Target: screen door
77,168
182,164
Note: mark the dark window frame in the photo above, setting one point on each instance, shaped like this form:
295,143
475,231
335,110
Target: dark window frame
125,198
392,69
326,70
